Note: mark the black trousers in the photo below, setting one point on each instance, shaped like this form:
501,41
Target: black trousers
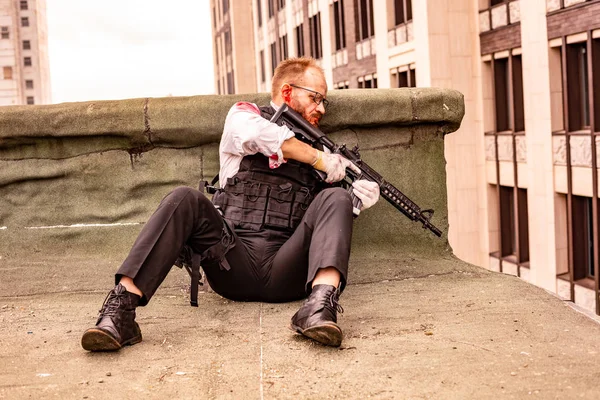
266,265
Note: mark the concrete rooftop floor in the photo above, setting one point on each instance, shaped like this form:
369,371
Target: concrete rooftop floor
414,329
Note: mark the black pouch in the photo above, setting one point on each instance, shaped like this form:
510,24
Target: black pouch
279,207
302,200
244,203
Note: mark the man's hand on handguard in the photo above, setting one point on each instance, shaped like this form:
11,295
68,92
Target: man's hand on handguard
367,192
334,165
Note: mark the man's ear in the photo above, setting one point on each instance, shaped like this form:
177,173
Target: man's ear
286,93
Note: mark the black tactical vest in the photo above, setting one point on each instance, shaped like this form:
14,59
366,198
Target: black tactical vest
258,197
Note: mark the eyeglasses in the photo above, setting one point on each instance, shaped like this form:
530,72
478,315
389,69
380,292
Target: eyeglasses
318,98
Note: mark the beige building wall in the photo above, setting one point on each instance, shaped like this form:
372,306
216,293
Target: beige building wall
448,55
538,125
28,84
233,27
241,28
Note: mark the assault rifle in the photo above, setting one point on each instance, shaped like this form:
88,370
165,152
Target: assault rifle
294,121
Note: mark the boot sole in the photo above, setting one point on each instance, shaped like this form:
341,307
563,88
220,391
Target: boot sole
97,340
327,334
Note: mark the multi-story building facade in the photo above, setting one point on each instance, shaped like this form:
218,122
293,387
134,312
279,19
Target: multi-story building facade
522,171
24,67
233,46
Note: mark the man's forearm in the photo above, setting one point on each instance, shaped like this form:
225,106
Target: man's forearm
294,149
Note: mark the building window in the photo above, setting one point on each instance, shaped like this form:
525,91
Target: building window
214,17
508,90
579,68
583,244
273,57
227,38
514,227
259,12
28,84
518,101
283,47
281,4
24,5
342,85
271,8
26,45
24,21
299,33
225,7
367,81
218,50
339,24
314,29
402,11
578,86
230,83
364,20
501,91
262,66
27,61
404,77
507,221
7,72
30,100
4,33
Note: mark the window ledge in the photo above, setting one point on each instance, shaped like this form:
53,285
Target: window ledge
588,283
581,132
564,277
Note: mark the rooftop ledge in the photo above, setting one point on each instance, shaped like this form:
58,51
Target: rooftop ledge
136,125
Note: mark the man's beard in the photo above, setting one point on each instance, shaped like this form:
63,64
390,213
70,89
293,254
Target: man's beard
314,118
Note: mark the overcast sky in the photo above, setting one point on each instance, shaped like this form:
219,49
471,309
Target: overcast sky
116,49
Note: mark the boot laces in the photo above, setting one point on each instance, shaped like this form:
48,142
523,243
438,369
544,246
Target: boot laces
334,302
112,303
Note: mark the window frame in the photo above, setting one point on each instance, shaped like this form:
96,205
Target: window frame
363,19
314,29
7,72
299,36
339,25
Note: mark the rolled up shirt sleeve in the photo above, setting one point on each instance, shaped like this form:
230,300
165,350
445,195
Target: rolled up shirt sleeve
246,132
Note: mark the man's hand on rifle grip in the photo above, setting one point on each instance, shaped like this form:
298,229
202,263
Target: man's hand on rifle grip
334,165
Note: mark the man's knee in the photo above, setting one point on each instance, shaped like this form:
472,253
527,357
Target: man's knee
337,196
185,192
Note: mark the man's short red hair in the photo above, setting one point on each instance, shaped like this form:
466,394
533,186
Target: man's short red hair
291,71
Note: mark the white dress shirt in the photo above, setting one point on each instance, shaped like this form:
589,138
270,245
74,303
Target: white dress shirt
246,133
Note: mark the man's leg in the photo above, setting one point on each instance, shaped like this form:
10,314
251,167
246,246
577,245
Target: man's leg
315,260
184,216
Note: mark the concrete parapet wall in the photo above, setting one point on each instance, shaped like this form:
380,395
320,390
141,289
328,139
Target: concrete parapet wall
109,163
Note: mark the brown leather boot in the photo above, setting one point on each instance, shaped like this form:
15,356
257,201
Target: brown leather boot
317,318
116,326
